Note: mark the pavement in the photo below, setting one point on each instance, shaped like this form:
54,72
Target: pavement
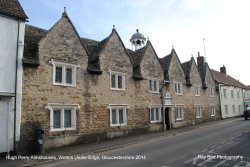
93,148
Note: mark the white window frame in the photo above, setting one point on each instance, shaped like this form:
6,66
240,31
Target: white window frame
224,93
64,66
211,91
154,110
118,107
197,90
179,113
233,108
157,85
62,107
238,94
232,94
226,110
198,111
178,88
116,80
212,110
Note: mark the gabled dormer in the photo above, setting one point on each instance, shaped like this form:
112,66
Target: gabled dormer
146,63
62,43
193,77
173,70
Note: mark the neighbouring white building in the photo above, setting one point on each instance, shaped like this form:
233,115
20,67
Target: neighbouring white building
12,21
232,93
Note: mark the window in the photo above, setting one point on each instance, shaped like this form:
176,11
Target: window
212,111
154,85
64,74
178,88
233,107
225,93
226,110
179,113
155,114
198,110
211,91
239,109
117,81
232,94
238,94
62,117
118,115
197,90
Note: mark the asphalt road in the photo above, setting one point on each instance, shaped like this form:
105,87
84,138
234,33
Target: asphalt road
220,145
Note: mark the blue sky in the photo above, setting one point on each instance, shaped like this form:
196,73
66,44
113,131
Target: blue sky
179,23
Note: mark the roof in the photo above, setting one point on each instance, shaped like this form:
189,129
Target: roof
31,39
137,35
227,79
203,71
12,8
165,62
187,70
137,57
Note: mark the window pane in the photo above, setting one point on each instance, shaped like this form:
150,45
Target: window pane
179,88
152,114
58,74
119,81
114,116
113,81
155,86
157,114
176,88
57,119
69,75
67,118
121,121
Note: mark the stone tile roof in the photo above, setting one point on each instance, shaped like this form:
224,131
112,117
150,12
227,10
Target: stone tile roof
227,79
12,8
165,62
31,39
187,70
137,57
203,71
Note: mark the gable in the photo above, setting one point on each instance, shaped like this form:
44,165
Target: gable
114,56
62,43
194,74
175,71
150,64
209,77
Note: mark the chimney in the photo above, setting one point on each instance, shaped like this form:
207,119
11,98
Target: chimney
223,70
200,60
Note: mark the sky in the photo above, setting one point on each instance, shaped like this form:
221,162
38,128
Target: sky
218,29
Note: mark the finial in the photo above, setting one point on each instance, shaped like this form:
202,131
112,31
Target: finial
172,46
64,12
137,30
113,26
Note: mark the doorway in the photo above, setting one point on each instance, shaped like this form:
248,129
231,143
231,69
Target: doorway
167,120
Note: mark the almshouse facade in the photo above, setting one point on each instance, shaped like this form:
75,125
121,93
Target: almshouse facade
80,90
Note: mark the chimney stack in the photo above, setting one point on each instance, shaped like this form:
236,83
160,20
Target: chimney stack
200,60
223,70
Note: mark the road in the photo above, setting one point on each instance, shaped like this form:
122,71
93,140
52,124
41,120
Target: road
220,145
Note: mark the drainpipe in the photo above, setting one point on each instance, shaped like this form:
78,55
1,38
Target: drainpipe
162,106
15,105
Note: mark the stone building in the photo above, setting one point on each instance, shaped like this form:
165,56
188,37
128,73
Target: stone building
80,90
192,89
